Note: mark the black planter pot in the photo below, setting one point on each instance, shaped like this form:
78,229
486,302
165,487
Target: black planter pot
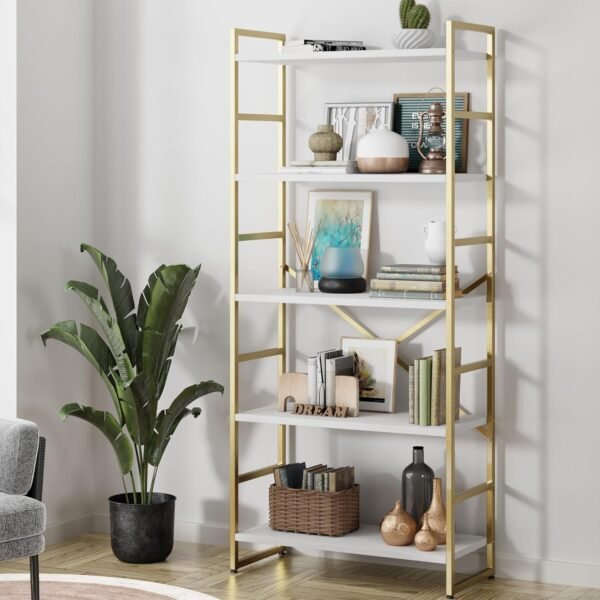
142,533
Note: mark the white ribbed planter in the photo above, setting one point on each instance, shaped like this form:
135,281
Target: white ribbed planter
413,38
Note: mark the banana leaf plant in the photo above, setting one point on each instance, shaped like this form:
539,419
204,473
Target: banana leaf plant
133,355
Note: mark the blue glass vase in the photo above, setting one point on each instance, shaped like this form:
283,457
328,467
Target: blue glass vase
342,263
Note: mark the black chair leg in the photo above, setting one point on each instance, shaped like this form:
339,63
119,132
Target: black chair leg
34,568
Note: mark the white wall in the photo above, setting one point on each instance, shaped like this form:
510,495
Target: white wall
8,204
160,181
54,216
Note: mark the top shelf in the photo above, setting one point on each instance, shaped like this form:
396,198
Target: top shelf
357,56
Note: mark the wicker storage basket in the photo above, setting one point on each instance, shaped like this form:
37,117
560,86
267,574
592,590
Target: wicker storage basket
310,511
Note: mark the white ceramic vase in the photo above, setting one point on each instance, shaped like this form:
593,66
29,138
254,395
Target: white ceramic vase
435,242
413,38
382,151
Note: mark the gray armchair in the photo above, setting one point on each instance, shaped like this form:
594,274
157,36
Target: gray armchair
22,514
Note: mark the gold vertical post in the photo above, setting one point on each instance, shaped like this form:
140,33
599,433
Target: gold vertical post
233,310
491,301
281,311
450,314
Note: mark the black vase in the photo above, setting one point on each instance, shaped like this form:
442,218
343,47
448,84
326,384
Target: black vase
142,533
417,485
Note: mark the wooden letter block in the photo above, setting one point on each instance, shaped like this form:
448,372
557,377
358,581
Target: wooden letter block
292,386
347,394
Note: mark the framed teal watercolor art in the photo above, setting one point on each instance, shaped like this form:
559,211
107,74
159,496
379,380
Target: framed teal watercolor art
343,219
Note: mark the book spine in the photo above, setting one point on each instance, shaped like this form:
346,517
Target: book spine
425,391
320,379
417,393
330,382
312,380
411,276
457,362
411,394
407,295
443,386
435,387
333,42
418,269
336,47
408,285
284,477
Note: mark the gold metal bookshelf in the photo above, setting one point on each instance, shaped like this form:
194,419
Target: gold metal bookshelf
446,308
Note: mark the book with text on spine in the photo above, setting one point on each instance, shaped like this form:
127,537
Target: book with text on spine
424,269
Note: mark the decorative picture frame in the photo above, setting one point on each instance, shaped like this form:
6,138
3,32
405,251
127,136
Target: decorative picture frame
344,221
377,372
353,120
406,123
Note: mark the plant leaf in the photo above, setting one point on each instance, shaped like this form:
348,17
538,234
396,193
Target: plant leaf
91,297
139,405
109,426
160,307
89,344
169,419
121,296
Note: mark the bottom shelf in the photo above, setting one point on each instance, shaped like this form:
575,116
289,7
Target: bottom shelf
366,541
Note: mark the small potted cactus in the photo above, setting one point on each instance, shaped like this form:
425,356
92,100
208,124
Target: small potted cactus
414,19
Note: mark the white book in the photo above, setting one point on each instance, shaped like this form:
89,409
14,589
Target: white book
312,380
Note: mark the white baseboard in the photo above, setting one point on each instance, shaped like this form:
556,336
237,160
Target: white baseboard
60,531
548,571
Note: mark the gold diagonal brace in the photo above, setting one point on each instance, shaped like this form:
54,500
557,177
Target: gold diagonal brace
475,284
432,316
344,314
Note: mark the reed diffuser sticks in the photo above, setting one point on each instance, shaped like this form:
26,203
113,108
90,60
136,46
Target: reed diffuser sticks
304,248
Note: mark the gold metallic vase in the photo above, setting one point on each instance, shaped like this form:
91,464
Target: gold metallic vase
425,540
436,515
398,528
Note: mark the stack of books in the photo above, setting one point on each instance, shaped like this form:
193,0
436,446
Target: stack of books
322,370
427,389
424,282
318,477
307,46
321,167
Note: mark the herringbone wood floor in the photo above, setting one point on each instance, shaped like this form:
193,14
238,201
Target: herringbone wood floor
205,568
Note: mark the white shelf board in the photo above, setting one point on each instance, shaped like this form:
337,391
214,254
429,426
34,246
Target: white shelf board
396,423
365,541
359,177
291,296
388,55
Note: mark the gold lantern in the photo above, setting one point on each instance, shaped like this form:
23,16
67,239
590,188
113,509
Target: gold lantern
434,140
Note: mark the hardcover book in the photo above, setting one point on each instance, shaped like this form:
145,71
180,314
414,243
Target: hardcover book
420,269
407,295
425,391
411,276
409,285
417,393
340,365
411,395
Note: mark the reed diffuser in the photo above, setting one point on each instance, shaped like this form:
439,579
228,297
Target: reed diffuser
304,249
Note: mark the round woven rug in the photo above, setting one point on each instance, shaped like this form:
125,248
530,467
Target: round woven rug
77,587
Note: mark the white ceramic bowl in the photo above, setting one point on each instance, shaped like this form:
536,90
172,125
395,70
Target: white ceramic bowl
382,151
413,38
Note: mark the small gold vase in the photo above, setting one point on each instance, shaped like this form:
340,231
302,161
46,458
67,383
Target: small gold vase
425,540
436,515
398,528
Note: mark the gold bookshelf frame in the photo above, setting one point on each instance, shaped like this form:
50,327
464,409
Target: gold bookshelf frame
489,240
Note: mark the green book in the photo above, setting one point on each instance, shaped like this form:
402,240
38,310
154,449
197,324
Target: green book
436,378
416,393
425,391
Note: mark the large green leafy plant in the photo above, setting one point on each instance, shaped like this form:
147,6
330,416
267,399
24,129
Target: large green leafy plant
133,356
